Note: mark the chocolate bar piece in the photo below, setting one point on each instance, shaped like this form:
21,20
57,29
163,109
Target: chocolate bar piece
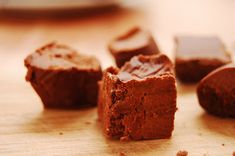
198,56
216,91
62,77
136,41
139,101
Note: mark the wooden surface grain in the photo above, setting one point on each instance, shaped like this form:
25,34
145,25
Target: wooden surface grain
27,129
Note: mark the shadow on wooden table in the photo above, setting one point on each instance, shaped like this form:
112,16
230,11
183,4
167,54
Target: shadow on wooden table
186,88
146,147
58,121
223,126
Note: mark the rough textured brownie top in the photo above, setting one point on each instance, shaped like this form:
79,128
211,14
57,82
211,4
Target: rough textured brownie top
55,56
134,39
188,47
141,67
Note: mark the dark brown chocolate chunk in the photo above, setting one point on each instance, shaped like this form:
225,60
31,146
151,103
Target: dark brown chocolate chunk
62,77
216,92
136,41
142,104
198,56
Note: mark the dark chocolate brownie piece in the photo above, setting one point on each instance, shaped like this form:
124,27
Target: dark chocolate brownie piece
198,56
136,41
216,91
62,77
139,100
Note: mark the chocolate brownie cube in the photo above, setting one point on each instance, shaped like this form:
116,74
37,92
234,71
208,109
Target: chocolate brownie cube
197,56
62,77
134,42
139,100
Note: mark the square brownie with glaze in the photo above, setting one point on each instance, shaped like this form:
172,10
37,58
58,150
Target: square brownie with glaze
134,42
197,56
62,77
138,101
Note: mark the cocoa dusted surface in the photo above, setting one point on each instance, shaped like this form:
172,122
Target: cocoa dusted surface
62,77
216,92
197,56
134,42
142,107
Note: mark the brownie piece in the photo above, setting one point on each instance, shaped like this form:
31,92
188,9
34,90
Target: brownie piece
138,101
198,56
216,91
62,77
136,41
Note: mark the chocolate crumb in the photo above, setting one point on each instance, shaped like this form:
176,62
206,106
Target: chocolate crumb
61,133
87,123
223,144
58,55
69,56
182,153
122,154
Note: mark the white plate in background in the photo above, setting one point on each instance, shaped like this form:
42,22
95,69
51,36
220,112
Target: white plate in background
54,4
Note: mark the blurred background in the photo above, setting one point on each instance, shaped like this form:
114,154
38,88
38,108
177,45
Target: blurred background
88,26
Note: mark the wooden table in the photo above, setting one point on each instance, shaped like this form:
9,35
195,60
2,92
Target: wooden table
27,129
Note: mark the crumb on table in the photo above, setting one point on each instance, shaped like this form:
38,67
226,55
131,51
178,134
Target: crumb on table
182,153
122,154
87,123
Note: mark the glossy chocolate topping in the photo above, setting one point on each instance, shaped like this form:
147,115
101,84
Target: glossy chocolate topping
134,39
140,67
56,56
200,47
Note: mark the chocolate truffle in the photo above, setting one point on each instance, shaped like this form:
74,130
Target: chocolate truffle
139,100
62,77
136,41
198,56
216,91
